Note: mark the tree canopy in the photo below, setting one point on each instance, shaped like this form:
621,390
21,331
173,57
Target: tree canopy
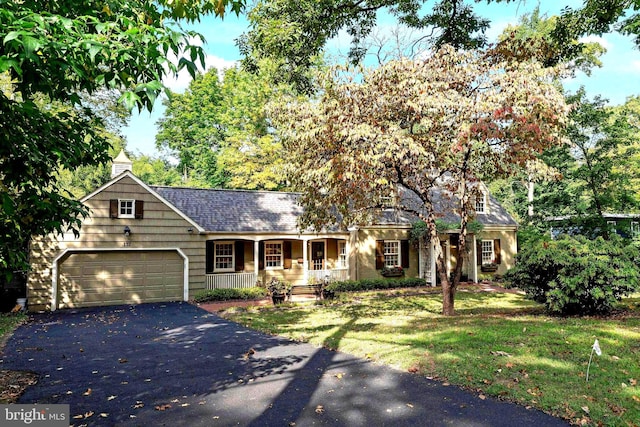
221,134
293,33
444,122
61,50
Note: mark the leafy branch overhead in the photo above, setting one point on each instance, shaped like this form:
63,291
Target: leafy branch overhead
71,47
294,33
62,52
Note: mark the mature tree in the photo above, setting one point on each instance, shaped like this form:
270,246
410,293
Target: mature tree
293,33
628,152
532,38
251,156
191,130
221,134
443,123
61,50
598,17
595,167
156,170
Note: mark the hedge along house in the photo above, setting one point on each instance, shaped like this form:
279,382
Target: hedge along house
144,243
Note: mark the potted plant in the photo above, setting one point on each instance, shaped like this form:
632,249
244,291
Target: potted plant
278,289
396,271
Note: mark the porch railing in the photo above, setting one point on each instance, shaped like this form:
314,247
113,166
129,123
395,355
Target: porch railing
336,274
231,280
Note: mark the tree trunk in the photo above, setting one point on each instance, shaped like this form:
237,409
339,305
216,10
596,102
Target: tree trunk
448,291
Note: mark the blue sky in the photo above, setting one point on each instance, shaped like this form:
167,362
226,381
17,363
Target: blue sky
618,78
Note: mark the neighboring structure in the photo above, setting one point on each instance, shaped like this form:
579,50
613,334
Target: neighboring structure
146,243
626,225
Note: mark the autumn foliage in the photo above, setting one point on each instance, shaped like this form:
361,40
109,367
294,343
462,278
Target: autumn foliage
446,121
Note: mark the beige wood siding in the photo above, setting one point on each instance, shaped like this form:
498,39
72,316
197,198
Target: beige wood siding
161,227
121,277
366,251
508,248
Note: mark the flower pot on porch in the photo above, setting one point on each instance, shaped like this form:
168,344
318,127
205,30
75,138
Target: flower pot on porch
328,294
278,299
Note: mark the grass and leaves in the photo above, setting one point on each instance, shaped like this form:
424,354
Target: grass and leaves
8,322
12,383
498,343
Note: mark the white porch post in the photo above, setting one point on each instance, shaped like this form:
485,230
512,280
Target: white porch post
474,261
305,265
256,258
352,255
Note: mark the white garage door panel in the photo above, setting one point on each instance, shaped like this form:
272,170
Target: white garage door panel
122,277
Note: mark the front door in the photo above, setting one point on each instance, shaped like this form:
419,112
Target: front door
317,256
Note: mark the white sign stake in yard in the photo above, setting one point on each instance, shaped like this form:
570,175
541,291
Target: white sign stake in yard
594,348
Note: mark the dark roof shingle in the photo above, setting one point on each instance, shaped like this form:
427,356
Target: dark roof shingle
237,211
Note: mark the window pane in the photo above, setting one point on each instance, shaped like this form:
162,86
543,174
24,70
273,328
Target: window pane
126,207
487,251
224,256
342,254
273,254
391,253
480,201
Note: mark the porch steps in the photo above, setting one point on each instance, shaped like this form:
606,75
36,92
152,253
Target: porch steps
306,291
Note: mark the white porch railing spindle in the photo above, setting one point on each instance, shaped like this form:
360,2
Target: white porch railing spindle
231,280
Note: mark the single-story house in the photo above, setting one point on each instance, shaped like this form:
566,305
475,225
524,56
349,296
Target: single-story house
144,243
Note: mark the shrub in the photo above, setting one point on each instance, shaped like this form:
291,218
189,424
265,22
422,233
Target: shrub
575,275
230,294
371,284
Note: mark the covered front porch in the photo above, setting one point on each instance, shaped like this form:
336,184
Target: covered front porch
233,262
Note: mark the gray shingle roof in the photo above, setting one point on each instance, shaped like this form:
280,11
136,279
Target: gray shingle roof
495,213
270,211
236,210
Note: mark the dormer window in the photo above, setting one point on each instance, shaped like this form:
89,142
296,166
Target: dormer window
481,203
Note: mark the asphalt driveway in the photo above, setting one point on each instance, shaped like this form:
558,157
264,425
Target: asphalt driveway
175,364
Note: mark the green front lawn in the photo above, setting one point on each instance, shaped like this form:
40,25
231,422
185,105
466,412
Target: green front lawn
499,344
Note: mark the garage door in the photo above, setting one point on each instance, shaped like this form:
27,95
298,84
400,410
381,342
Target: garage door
121,277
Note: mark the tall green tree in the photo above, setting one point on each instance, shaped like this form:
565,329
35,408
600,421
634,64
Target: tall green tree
221,133
61,50
444,123
252,155
593,174
598,17
191,130
532,38
596,173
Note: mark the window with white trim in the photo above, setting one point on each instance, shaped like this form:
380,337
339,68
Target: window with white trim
635,228
487,252
126,208
392,253
342,254
223,256
273,255
481,203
